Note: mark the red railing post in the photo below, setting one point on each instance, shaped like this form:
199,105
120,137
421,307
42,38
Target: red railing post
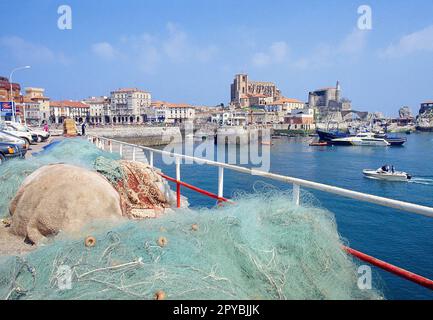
178,193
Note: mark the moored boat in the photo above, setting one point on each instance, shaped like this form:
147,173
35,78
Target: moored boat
361,139
331,134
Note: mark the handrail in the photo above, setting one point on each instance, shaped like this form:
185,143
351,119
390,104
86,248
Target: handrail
413,277
386,202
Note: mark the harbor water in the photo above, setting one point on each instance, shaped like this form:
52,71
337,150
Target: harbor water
400,238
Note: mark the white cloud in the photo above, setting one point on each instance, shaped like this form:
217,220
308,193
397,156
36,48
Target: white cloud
149,51
277,53
418,41
104,50
176,46
354,43
27,52
206,54
350,48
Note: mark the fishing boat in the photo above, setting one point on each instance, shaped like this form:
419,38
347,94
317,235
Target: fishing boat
318,144
329,135
395,141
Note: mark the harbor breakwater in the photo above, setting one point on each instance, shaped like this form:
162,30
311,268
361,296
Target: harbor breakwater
146,136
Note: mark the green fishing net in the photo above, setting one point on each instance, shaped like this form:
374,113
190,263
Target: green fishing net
262,247
110,169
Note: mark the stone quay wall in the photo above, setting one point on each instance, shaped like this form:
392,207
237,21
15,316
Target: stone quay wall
146,136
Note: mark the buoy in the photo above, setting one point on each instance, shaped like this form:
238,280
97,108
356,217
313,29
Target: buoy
6,222
194,227
90,242
160,295
162,241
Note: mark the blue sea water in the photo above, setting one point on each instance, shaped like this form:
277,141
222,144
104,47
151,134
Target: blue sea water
400,238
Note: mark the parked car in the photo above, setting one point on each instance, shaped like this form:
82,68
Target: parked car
21,143
19,134
9,150
37,135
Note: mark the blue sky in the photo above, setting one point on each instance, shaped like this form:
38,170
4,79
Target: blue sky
189,50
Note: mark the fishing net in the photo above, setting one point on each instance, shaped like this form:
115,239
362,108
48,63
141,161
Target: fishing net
143,192
71,151
263,247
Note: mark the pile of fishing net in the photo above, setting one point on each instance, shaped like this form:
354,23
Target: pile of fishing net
262,247
143,192
70,151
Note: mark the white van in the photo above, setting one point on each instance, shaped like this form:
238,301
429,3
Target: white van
37,135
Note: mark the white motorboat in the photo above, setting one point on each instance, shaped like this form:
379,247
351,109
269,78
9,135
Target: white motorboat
362,139
385,173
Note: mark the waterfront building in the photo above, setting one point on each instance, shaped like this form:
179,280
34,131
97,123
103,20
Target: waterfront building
167,112
128,105
289,104
426,106
36,106
229,118
328,103
245,92
99,109
61,110
203,114
300,119
6,98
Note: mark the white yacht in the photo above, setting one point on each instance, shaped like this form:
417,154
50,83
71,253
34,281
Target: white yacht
362,139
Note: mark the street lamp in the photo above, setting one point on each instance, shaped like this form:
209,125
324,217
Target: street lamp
12,96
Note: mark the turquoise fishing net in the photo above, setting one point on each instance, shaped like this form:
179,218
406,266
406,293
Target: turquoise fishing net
71,151
263,247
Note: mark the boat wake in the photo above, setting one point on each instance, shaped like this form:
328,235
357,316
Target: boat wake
422,180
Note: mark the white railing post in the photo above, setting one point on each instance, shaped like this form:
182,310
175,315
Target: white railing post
220,182
133,153
177,169
296,194
151,159
103,144
111,145
121,150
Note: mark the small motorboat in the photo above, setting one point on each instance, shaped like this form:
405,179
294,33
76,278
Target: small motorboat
267,143
387,173
318,144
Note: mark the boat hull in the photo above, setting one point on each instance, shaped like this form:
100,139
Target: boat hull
396,141
370,143
330,135
397,176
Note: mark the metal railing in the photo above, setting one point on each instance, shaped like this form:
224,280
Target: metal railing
297,183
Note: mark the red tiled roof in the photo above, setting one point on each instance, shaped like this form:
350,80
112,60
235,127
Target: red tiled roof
287,100
159,104
257,95
126,90
68,104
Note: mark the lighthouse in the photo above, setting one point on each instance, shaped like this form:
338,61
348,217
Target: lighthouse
337,91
